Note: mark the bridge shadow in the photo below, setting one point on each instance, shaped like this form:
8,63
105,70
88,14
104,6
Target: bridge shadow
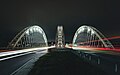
63,62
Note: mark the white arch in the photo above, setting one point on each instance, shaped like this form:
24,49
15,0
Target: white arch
93,31
25,31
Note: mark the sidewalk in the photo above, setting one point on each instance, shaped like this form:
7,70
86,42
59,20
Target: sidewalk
64,63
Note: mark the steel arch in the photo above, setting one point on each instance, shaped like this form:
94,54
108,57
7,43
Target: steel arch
106,42
26,31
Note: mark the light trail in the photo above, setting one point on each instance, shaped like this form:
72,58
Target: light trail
95,48
109,38
12,54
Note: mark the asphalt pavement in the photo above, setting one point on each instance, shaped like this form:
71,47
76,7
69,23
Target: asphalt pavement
64,62
12,65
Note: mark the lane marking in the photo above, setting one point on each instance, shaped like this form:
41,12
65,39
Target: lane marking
25,64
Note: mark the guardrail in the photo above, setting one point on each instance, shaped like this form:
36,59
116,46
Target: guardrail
109,64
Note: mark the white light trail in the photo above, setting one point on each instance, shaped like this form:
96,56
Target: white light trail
24,51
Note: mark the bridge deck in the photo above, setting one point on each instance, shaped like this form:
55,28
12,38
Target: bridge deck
64,63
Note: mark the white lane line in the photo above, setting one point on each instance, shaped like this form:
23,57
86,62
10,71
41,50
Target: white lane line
24,65
20,67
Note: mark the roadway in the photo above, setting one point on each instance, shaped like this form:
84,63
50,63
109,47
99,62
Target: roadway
11,65
64,62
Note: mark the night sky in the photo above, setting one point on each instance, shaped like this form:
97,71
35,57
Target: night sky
18,14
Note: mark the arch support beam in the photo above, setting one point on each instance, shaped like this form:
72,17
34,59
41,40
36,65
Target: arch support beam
30,37
88,35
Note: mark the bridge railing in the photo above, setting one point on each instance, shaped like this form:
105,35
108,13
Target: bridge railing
108,63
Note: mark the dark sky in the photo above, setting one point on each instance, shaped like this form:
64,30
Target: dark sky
18,14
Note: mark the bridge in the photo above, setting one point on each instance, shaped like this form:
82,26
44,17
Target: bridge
28,53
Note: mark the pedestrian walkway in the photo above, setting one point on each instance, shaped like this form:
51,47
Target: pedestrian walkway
64,63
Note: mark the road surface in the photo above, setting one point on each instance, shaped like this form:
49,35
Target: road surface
64,62
9,66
